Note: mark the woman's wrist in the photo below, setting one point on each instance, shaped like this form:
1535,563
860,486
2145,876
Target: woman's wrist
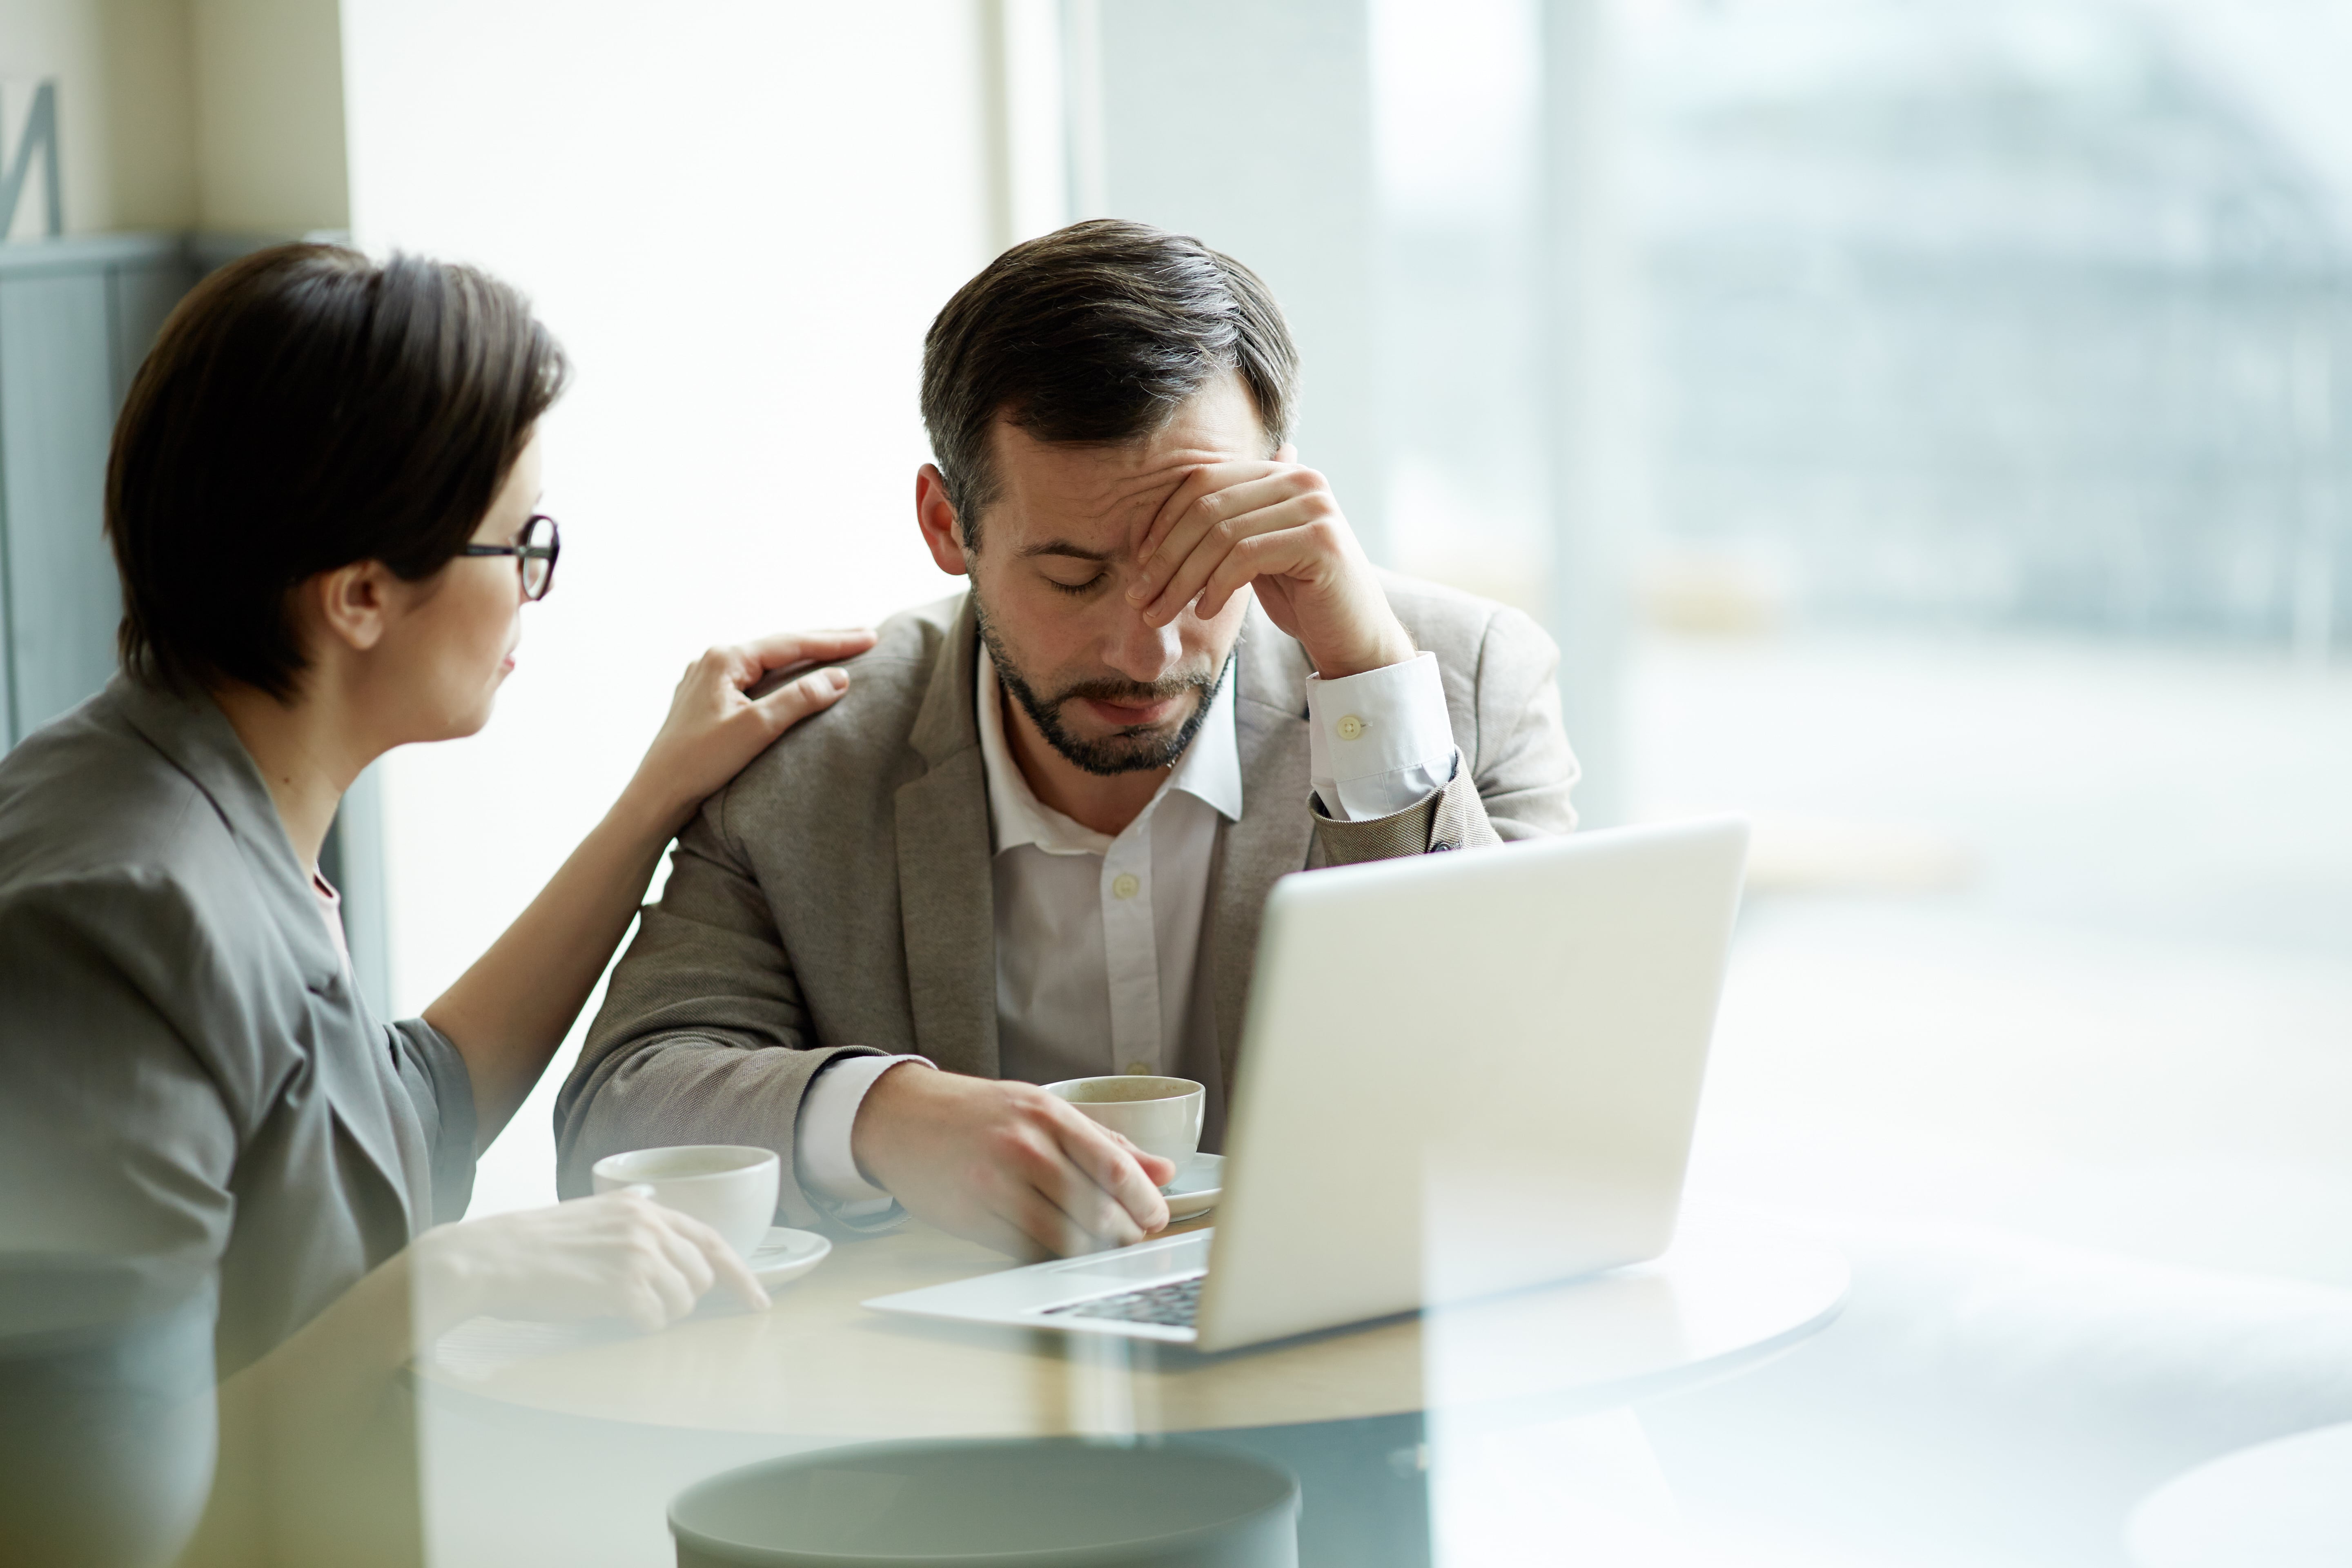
647,815
444,1286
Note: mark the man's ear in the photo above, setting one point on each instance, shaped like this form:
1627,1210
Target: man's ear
350,604
936,516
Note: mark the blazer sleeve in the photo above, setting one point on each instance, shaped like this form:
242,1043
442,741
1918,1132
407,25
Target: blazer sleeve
1517,769
703,1037
441,1089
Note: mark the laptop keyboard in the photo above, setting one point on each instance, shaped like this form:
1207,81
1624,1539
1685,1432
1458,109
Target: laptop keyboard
1173,1305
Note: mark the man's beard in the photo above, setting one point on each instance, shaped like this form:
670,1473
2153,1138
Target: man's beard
1132,751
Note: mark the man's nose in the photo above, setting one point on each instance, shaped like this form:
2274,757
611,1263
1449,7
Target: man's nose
1139,650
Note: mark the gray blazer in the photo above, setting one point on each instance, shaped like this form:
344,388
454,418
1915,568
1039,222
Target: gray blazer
193,1100
837,896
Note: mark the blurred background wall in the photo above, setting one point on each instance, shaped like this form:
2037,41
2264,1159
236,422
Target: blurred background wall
223,115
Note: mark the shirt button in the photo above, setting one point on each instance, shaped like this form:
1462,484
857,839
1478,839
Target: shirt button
1350,728
1138,1067
1126,885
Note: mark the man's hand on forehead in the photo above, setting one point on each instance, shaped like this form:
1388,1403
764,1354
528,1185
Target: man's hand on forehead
1144,495
1235,521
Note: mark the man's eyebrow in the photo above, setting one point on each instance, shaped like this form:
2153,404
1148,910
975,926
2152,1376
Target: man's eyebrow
1064,547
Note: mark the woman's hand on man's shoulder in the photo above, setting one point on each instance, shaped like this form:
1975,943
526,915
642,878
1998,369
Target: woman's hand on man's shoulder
722,716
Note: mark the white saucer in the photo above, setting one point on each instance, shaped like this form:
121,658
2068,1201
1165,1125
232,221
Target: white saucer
786,1255
1199,1184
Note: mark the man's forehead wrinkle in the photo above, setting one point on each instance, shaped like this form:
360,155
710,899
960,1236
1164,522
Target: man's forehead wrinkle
1101,516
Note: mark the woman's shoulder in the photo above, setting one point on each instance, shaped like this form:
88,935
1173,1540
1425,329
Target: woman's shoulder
102,832
126,903
88,798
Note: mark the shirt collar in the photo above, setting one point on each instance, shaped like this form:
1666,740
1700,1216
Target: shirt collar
1210,771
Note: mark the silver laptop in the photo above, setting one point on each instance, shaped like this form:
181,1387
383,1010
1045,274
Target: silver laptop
1460,1074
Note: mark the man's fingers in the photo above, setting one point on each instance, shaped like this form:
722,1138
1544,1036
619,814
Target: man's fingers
1047,1166
1182,569
1201,481
1303,549
1043,1167
1108,1162
1207,479
1158,1168
1183,512
1268,554
1046,1222
1227,500
1091,1208
1215,548
1184,521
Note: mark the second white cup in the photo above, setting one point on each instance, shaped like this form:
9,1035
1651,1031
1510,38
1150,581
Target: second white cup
730,1187
1159,1115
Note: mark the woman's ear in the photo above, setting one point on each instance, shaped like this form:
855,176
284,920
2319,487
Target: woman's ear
349,602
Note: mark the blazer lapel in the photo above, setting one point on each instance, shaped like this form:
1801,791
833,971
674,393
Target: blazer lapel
947,893
1275,833
196,736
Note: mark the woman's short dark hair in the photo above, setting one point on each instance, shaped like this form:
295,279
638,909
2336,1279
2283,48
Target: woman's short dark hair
305,408
1095,335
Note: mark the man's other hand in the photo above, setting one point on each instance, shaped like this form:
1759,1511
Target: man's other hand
1006,1164
1277,525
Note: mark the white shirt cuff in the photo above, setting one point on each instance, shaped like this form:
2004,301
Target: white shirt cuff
1380,742
822,1157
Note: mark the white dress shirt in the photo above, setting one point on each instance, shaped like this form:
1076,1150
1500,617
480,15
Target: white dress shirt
1097,936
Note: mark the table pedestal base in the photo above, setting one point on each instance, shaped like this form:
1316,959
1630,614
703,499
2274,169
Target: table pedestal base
1363,1487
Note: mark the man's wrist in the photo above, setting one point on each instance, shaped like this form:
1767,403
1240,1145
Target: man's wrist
824,1129
868,1135
1392,645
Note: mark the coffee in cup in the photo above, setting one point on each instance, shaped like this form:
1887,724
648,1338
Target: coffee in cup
730,1187
1159,1115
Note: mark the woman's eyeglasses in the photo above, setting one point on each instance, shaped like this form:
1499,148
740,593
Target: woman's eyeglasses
534,557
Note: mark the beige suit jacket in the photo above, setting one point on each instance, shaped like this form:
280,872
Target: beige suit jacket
836,897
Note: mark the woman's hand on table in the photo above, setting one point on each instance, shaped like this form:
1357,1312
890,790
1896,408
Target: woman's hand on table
617,1255
715,727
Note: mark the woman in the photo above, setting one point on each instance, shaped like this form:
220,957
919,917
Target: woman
322,501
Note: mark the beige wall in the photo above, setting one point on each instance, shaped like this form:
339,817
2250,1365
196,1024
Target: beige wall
217,114
146,97
269,115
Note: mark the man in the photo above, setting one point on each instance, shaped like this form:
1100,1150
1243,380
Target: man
1034,838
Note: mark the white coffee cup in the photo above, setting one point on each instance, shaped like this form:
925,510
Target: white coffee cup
730,1187
1159,1115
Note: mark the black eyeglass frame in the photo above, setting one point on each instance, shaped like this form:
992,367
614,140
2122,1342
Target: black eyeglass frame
529,551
